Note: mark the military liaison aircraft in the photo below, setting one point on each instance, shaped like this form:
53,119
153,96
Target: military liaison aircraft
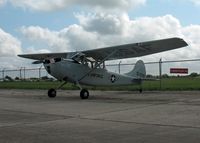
88,67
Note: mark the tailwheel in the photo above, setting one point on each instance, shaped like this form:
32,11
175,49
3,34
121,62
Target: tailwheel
52,93
140,90
84,94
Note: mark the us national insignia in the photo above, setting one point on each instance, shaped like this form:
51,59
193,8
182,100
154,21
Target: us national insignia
113,78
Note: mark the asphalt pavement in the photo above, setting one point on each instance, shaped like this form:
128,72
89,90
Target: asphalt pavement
29,116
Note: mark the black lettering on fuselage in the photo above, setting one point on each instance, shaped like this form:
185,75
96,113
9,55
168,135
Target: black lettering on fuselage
95,75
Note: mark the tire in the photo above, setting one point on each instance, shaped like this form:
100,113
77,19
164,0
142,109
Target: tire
140,90
84,94
52,93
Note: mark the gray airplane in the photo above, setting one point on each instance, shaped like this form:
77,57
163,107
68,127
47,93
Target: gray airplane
88,67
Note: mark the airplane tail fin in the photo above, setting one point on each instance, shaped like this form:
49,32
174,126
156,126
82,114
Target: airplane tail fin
139,71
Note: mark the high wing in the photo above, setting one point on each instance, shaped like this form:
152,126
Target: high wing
136,49
120,51
43,56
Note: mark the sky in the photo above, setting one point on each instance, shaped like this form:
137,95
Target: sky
40,26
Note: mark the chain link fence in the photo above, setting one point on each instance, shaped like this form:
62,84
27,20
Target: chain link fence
158,70
24,73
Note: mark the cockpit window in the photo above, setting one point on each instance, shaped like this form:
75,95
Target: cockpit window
55,60
46,61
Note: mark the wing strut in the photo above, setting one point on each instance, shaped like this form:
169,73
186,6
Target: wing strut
97,65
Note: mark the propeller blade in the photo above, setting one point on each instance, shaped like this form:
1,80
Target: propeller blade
37,62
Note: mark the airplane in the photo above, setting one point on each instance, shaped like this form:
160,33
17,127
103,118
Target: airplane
88,67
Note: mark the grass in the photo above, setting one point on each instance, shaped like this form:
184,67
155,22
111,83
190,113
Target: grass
183,83
33,85
175,83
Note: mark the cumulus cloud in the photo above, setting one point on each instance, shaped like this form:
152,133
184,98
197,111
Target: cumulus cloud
2,2
50,40
9,45
72,38
101,30
196,2
120,29
52,5
101,23
192,34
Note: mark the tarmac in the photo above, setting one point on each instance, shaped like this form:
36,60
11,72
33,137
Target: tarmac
29,116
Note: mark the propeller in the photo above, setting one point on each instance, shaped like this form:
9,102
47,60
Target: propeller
37,62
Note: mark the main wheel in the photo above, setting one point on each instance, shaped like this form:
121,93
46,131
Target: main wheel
84,94
140,90
52,93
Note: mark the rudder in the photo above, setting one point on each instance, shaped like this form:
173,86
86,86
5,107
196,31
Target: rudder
139,70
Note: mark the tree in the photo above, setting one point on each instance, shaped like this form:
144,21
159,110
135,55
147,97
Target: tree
165,76
194,74
149,76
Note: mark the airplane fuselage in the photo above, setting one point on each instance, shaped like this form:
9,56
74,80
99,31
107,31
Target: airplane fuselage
83,74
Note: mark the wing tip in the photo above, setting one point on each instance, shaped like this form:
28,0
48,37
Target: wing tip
181,40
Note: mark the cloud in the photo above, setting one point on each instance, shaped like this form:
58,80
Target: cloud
192,34
118,29
101,30
2,2
101,23
9,45
52,5
196,2
72,38
45,39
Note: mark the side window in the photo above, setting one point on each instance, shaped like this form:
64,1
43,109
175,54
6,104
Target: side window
57,59
46,61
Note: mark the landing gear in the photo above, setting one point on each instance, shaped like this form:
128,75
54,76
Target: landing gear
52,93
140,90
84,94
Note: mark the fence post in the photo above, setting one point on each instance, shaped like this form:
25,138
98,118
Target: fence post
20,73
24,73
160,72
3,76
119,66
40,72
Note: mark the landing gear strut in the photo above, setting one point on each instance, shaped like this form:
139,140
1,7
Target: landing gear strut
52,91
84,94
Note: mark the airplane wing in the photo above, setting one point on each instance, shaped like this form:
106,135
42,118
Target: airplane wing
136,49
120,51
43,56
